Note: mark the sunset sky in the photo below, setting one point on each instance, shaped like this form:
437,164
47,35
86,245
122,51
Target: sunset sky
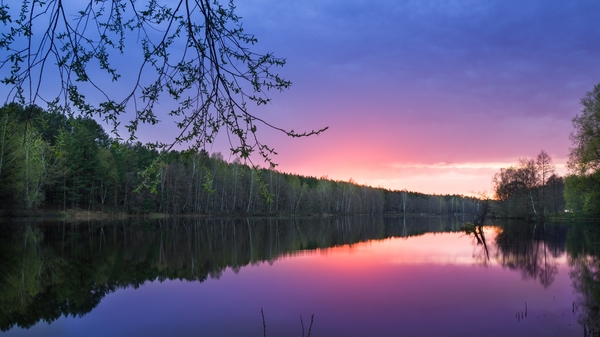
434,96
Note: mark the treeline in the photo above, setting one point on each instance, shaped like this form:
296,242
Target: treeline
56,162
530,189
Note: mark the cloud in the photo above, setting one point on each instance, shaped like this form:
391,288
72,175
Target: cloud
448,166
463,166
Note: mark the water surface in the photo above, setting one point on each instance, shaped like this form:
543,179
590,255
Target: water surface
358,277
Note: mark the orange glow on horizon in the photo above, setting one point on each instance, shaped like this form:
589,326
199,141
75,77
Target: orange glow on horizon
464,178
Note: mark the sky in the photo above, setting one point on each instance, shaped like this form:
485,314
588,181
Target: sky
433,96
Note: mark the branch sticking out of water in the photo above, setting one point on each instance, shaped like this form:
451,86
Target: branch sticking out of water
301,322
264,324
310,327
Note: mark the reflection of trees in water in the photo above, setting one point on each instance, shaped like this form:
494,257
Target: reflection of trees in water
66,269
532,248
481,249
26,268
585,274
583,246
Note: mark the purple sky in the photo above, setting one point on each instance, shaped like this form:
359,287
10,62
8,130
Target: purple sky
431,96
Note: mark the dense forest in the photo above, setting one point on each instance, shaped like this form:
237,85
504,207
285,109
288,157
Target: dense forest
53,162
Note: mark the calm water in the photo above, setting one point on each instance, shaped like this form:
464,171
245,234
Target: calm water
358,276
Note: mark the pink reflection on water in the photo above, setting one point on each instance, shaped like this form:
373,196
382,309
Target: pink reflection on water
426,285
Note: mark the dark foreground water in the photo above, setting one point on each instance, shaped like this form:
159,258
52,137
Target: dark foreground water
359,277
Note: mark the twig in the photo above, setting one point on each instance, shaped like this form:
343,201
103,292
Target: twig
264,324
310,327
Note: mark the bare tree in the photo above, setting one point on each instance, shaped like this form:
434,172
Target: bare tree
527,183
482,209
545,169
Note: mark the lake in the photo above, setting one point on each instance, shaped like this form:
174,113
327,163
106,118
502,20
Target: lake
356,276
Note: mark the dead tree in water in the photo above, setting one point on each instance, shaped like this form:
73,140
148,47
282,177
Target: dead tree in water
476,227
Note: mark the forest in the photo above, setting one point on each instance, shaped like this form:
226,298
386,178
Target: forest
51,162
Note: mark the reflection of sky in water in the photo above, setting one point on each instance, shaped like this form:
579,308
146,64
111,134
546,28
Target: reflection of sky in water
421,286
